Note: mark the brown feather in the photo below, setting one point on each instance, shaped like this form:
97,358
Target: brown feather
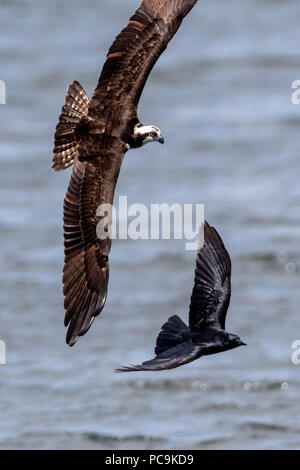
65,139
86,270
94,136
135,51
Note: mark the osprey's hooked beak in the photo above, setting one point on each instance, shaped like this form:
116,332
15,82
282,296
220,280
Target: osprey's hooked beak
161,140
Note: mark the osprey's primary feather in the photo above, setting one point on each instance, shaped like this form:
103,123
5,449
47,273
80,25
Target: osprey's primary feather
95,136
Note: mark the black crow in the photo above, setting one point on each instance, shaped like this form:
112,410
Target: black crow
177,343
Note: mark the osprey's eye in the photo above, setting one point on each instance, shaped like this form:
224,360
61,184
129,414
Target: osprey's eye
152,134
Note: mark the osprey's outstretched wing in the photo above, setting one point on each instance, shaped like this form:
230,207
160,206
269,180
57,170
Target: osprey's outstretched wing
86,268
212,289
135,51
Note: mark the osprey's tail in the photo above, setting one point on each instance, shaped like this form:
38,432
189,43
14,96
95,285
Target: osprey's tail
65,140
172,333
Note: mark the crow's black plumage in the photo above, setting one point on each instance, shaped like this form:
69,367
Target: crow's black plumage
177,343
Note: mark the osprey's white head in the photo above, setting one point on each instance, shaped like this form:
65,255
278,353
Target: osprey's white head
145,134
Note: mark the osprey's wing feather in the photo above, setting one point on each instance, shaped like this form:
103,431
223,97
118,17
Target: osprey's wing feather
212,290
135,51
129,62
181,354
86,269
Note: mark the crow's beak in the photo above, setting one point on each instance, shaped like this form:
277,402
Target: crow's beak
243,344
161,140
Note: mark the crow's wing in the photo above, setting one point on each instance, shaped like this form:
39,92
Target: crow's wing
169,359
211,293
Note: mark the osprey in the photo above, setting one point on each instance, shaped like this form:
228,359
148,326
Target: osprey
94,135
177,343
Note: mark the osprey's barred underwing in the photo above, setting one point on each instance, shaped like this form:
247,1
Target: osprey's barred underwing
93,136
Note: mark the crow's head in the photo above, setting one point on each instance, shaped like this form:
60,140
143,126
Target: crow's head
233,341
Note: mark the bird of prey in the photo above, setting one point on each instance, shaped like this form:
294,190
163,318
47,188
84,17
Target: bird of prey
94,135
177,343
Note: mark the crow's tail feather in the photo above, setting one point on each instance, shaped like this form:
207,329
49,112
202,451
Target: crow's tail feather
173,332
